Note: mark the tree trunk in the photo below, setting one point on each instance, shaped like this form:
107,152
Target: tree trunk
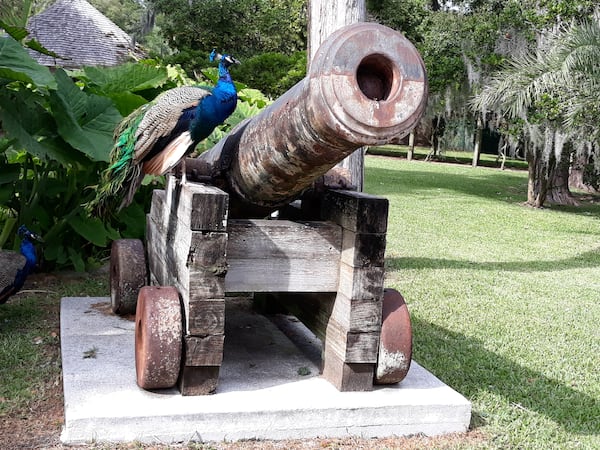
576,177
411,146
583,175
537,183
559,192
532,162
478,139
437,129
435,5
325,17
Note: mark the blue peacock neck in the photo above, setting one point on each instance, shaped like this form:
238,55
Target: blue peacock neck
225,87
28,251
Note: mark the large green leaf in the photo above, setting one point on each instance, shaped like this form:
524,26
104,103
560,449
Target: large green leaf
9,173
38,47
91,229
126,77
85,121
27,122
76,259
15,31
134,219
17,65
127,102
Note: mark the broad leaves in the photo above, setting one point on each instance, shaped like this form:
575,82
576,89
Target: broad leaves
17,65
86,121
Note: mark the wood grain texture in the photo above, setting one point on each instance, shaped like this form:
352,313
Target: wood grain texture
352,347
361,283
363,249
207,207
280,255
203,350
206,317
356,211
347,377
195,380
192,261
357,316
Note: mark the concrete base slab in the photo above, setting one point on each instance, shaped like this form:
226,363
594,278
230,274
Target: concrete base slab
268,389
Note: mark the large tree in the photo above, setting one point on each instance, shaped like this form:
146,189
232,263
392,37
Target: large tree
242,27
552,95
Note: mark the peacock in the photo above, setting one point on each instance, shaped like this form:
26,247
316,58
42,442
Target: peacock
14,267
155,137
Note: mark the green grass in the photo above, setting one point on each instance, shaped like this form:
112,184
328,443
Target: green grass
450,156
503,298
29,338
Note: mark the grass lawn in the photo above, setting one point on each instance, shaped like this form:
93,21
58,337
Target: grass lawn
504,299
449,156
504,302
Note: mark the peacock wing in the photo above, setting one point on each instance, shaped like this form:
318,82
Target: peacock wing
10,263
169,114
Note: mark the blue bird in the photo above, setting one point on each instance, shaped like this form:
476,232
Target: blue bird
155,137
16,266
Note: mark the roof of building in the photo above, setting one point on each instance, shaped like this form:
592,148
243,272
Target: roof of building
81,35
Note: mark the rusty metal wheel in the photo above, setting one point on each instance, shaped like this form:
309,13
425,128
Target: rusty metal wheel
128,274
395,345
158,337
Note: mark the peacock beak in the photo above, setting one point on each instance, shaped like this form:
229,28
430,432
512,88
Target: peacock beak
36,237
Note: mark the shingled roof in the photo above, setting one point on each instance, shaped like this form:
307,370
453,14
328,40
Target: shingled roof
81,35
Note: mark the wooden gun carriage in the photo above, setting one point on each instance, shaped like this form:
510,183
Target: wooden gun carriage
322,257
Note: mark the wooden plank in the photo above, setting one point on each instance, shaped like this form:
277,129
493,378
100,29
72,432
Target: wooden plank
198,380
352,347
361,283
205,286
207,252
356,211
203,350
253,238
206,207
156,251
280,255
363,250
312,309
347,377
281,275
206,317
168,262
157,207
357,315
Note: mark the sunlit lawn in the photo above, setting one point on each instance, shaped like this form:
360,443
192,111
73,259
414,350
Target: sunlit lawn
505,299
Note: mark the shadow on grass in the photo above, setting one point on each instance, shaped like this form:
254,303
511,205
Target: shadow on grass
468,367
587,259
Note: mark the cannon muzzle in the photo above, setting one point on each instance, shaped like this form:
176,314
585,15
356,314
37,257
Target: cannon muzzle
366,86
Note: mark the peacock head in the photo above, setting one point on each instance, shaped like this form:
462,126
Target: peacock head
24,233
225,60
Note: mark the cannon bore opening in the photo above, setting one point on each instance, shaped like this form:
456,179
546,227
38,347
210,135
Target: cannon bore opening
375,77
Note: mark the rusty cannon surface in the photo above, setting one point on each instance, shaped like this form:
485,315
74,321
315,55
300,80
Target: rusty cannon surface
366,86
207,241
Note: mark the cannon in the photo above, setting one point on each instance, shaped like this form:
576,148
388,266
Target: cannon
322,257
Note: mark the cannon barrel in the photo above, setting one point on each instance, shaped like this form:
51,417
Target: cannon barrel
366,86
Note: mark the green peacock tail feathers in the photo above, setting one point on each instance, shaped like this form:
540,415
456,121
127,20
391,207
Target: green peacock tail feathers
114,190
